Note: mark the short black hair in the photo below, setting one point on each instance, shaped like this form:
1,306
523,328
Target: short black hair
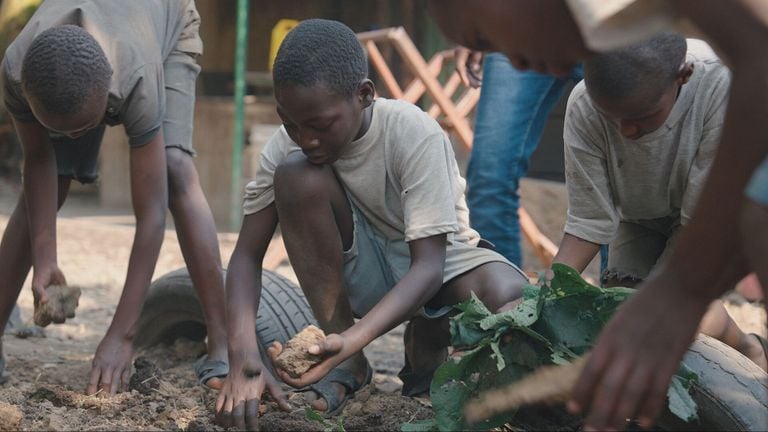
319,51
648,67
63,66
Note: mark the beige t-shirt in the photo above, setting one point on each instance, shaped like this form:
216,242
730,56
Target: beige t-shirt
611,24
135,35
403,177
611,178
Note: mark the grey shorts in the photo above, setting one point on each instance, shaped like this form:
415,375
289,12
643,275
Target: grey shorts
638,247
78,158
373,265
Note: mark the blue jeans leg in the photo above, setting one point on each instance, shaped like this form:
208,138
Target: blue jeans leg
511,115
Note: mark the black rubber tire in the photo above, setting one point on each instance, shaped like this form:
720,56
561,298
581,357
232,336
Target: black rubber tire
172,310
731,394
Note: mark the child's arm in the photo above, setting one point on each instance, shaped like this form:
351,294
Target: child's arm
149,193
422,281
238,402
41,198
575,252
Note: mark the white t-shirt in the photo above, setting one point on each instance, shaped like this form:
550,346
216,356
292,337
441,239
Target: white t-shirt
611,178
403,177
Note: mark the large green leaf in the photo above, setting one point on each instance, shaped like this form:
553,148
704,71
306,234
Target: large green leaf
556,321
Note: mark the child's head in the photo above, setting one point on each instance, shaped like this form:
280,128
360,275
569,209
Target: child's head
534,34
322,88
65,77
636,87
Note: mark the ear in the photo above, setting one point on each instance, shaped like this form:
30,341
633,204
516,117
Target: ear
685,73
366,91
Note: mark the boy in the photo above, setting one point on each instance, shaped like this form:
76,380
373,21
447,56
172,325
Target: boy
76,66
728,232
640,134
372,211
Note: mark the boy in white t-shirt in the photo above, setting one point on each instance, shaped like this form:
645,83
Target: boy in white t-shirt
727,236
372,211
640,135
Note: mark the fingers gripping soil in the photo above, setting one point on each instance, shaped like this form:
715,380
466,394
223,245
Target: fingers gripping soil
61,304
295,359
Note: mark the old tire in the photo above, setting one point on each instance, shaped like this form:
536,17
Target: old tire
172,310
731,394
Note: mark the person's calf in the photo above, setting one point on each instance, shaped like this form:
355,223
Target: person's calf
426,344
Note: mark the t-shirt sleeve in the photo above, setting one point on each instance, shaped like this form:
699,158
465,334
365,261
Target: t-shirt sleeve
591,212
13,98
714,118
143,110
260,192
611,24
428,189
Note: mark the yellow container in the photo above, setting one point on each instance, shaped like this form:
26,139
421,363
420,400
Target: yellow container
278,34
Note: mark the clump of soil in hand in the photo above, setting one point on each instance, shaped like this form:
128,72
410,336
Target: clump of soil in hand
295,358
146,378
10,417
62,302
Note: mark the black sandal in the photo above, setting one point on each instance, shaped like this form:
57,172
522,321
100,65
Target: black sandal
326,390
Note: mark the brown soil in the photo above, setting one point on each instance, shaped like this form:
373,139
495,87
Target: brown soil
61,304
47,376
295,358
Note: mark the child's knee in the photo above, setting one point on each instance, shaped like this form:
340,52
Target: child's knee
501,292
296,179
181,171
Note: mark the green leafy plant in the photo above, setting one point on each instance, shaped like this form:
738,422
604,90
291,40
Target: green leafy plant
556,322
328,426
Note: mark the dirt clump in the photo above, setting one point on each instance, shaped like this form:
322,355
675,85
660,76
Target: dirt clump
10,417
61,304
146,378
295,358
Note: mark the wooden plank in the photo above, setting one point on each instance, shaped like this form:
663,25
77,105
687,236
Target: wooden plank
374,55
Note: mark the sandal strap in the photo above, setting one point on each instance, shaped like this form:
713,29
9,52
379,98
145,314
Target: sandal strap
206,369
325,389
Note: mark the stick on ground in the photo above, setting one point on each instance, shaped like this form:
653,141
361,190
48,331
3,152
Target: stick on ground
549,384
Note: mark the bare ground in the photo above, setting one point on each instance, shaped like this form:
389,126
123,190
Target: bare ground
48,374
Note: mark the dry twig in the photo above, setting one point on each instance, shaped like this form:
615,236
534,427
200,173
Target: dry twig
549,384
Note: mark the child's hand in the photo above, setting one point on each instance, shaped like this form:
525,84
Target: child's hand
111,366
44,276
240,397
332,349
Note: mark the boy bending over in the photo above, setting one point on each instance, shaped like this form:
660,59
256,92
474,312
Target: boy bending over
640,134
76,67
371,207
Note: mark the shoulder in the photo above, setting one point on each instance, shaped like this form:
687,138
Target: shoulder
712,76
580,106
403,117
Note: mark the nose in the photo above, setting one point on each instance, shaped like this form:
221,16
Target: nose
308,142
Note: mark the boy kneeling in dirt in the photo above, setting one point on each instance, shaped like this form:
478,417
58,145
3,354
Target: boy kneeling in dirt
641,132
372,211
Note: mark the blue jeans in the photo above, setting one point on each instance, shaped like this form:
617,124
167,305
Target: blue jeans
511,114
